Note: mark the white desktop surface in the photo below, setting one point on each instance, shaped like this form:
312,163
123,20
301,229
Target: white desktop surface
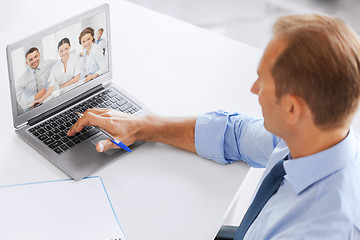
158,192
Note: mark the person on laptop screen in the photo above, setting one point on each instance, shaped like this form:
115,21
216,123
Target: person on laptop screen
94,62
66,71
100,41
33,86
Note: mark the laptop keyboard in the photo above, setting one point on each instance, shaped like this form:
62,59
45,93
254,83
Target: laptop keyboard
53,131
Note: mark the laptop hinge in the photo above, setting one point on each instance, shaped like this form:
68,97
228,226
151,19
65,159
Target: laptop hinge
65,105
107,84
21,125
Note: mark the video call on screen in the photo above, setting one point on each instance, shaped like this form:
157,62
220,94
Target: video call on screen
60,62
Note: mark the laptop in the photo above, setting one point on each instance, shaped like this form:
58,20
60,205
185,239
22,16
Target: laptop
57,72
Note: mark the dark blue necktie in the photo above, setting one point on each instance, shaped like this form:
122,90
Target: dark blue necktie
268,187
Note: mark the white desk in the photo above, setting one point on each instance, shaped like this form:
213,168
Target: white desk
158,192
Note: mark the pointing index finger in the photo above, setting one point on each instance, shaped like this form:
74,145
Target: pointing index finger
87,119
79,125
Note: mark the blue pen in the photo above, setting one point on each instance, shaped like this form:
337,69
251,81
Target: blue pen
119,144
112,139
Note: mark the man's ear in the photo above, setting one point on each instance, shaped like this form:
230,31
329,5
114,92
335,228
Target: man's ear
27,63
293,107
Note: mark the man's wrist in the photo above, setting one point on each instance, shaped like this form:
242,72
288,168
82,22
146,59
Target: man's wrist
176,131
148,128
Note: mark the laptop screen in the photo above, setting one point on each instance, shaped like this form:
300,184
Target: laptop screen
60,61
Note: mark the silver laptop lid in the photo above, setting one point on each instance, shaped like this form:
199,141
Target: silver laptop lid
36,69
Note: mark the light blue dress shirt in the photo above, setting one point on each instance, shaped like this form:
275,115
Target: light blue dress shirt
320,195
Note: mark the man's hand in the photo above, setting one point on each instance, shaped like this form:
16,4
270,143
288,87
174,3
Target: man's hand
36,103
123,127
40,94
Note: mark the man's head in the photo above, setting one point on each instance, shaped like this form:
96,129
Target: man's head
314,60
32,57
99,33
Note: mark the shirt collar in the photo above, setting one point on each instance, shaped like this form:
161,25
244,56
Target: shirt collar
305,171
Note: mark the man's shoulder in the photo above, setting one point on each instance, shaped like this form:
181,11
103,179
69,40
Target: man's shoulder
342,189
333,200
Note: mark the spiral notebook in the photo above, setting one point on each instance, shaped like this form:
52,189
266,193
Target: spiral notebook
58,210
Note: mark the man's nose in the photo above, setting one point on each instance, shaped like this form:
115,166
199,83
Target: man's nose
255,88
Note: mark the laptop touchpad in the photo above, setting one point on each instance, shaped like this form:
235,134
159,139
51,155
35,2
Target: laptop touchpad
104,137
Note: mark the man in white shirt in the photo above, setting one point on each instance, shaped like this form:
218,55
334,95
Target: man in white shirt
33,85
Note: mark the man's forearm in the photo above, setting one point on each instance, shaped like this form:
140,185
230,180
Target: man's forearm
175,131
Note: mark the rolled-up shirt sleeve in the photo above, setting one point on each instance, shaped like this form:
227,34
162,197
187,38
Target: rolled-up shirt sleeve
228,137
